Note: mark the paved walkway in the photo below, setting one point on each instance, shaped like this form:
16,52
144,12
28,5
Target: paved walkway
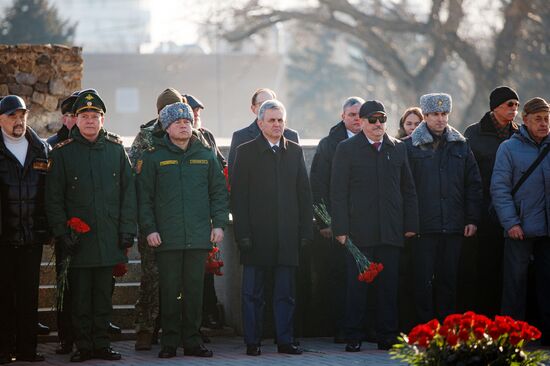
230,351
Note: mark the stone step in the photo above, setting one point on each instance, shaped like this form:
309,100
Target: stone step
125,293
122,315
47,273
48,253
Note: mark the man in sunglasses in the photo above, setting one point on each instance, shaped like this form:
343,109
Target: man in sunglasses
482,263
373,203
449,192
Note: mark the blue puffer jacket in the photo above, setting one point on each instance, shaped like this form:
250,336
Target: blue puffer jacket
530,206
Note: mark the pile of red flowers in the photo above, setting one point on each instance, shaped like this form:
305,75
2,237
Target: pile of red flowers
214,262
469,338
370,273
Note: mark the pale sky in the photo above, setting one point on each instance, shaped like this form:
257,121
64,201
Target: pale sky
177,20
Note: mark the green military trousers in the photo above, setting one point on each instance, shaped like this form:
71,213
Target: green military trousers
91,291
181,274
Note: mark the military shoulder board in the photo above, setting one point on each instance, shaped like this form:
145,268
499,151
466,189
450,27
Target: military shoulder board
113,138
63,143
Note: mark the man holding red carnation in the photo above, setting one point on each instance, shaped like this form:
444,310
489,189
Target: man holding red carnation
374,202
90,178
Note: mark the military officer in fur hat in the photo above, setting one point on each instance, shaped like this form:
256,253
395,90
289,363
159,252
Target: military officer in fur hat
448,186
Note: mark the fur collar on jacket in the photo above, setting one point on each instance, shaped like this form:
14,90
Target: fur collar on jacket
422,136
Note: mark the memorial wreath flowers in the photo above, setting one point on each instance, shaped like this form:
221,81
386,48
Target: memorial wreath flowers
470,339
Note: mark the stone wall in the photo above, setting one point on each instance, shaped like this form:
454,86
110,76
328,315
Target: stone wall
43,75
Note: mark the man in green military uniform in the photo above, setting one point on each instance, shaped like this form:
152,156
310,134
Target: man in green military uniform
147,305
183,208
91,178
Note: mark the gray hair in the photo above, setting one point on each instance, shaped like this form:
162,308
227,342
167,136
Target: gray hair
351,101
271,104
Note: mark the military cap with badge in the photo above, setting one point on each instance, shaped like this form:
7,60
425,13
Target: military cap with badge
89,99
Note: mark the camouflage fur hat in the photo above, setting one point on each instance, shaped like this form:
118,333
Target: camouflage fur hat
172,112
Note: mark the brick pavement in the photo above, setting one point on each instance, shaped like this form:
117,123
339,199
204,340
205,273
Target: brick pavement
229,351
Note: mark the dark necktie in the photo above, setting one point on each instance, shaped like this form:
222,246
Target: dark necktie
376,145
275,149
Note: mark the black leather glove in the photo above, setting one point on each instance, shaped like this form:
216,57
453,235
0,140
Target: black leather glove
67,244
126,240
304,242
245,244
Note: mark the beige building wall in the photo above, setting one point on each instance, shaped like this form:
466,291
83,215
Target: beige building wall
130,84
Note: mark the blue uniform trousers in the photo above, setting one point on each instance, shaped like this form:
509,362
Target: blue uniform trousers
253,302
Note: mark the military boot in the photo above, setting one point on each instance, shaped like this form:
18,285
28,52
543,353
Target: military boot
143,341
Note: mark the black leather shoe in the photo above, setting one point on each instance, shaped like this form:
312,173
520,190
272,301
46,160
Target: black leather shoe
289,349
167,352
42,329
107,354
113,329
198,351
81,356
5,358
253,350
33,357
64,348
353,347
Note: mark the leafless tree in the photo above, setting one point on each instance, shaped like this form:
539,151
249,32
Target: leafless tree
377,30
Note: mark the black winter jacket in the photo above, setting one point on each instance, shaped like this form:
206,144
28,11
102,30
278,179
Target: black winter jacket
484,142
322,164
372,193
447,181
22,193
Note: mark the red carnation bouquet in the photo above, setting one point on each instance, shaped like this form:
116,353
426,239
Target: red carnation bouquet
214,261
77,227
367,270
469,339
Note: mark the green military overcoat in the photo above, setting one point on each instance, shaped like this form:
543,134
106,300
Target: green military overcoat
94,182
182,195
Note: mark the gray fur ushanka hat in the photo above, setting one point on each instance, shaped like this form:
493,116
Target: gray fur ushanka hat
436,102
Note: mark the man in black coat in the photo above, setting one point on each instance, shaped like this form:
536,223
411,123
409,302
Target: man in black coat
272,212
449,192
483,255
334,257
23,167
373,203
253,130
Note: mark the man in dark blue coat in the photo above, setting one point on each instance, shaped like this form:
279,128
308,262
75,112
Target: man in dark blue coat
272,212
373,203
333,256
252,131
448,185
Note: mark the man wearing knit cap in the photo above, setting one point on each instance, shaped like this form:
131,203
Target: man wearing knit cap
481,260
181,224
147,305
23,167
448,185
524,212
90,178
